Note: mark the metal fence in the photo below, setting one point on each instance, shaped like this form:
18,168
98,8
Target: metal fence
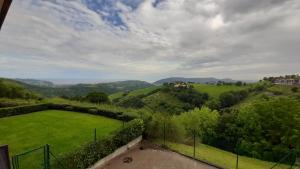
41,157
191,146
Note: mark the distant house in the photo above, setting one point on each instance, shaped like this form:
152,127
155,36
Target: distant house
181,85
283,81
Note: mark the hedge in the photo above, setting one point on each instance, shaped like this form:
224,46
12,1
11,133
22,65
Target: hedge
94,151
12,111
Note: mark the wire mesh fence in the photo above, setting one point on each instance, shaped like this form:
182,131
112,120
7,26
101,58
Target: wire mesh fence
191,146
44,156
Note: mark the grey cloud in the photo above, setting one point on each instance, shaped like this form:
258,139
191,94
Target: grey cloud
241,39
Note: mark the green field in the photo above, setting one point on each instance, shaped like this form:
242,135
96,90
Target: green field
220,157
214,91
134,92
65,131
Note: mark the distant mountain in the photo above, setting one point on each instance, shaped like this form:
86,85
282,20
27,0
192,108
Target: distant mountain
194,80
36,82
84,89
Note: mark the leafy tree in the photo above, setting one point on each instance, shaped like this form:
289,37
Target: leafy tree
239,83
202,121
97,97
295,89
134,102
231,98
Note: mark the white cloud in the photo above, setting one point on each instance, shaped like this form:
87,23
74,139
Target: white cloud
242,40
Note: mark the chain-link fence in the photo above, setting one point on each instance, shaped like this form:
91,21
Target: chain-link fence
42,157
191,146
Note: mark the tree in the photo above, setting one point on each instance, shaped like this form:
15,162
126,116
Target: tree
239,83
270,127
97,97
295,89
203,121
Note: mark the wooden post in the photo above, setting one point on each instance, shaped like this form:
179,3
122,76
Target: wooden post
4,157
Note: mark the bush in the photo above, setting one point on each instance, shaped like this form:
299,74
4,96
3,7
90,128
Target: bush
97,97
12,111
231,98
134,102
94,151
295,89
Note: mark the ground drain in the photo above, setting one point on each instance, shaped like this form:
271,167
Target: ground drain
127,160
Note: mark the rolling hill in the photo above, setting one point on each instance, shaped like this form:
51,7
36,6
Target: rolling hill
83,89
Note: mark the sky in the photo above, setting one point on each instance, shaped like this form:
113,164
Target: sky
150,39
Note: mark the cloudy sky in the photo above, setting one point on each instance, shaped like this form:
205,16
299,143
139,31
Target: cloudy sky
150,39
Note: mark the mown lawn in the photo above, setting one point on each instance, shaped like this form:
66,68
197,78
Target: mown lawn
214,91
65,131
220,157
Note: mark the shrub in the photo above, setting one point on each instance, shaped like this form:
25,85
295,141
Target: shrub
97,97
12,111
94,151
295,89
231,98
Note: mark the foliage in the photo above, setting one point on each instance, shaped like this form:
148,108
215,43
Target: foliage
97,97
103,106
92,152
186,94
295,89
214,91
231,98
12,111
201,121
12,89
158,122
83,89
218,157
267,128
6,102
134,102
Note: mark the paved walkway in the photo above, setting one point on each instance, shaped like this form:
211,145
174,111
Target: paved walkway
154,158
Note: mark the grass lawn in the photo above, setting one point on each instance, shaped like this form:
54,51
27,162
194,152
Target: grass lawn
220,157
65,131
214,91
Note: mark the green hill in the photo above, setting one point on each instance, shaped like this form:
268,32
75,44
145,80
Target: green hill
13,89
214,91
84,89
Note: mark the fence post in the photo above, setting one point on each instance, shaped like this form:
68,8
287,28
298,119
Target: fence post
15,162
95,135
46,157
194,133
237,155
164,133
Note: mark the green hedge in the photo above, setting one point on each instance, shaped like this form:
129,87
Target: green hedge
94,151
12,111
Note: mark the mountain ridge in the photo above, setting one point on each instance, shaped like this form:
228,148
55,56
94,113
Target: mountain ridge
202,80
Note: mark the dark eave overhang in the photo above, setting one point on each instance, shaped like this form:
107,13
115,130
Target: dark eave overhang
4,6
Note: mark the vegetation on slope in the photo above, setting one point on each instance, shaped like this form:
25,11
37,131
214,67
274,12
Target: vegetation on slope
70,91
12,89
